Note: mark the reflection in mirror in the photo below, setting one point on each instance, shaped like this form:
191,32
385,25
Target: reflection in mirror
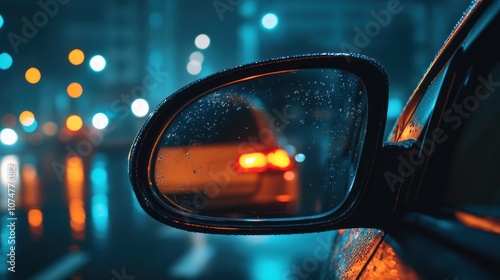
284,145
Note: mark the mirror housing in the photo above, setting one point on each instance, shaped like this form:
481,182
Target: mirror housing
358,209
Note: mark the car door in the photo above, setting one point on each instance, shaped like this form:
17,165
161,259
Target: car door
452,126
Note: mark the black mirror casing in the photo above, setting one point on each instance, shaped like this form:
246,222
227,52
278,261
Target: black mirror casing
365,206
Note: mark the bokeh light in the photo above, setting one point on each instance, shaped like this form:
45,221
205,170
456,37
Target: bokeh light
76,57
97,63
31,128
50,128
5,61
140,107
9,120
26,118
269,21
100,121
8,136
289,175
74,90
197,56
74,123
202,41
33,75
300,157
248,9
194,67
1,21
35,217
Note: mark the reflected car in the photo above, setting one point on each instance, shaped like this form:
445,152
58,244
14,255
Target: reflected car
230,158
423,204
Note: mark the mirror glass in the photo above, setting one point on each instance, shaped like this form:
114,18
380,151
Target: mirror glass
283,145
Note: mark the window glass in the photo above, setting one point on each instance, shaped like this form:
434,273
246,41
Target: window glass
474,177
421,115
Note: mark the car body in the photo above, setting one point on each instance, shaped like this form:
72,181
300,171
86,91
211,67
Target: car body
224,170
454,233
425,204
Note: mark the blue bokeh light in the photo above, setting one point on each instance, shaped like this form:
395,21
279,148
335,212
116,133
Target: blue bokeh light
5,61
300,157
248,9
31,128
269,21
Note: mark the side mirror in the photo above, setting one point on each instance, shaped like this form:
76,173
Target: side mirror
279,146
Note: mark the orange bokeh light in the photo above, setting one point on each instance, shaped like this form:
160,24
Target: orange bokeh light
76,57
74,123
27,118
74,90
289,175
50,128
33,75
35,217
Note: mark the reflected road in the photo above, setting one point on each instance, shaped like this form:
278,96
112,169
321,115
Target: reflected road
77,218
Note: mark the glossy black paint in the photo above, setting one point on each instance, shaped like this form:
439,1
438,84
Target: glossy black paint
427,235
375,80
423,231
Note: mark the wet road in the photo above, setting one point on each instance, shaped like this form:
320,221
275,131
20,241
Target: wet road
76,218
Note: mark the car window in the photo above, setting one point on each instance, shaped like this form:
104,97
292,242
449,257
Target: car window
474,179
472,118
413,127
421,115
209,124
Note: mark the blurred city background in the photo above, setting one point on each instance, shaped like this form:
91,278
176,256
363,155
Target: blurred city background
78,79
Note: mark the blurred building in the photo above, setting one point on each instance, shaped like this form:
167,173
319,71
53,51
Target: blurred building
150,51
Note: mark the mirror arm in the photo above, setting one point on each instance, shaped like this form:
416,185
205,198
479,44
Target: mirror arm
387,190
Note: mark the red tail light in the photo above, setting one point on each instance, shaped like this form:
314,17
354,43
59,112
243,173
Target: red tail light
277,159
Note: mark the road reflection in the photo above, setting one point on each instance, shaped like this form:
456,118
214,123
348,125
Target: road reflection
32,199
82,221
99,196
75,196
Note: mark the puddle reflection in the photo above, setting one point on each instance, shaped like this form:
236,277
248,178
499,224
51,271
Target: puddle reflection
99,196
75,180
32,198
